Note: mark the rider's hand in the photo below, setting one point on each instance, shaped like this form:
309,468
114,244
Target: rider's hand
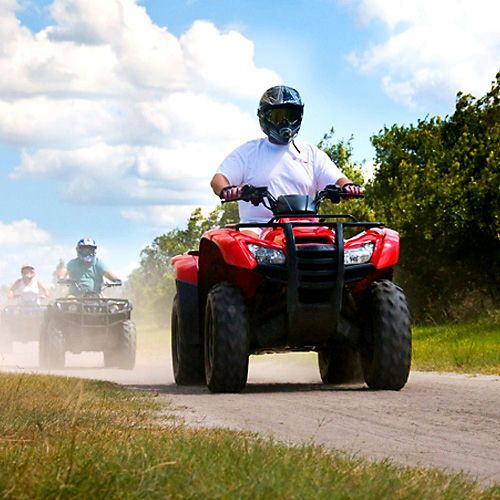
354,190
230,193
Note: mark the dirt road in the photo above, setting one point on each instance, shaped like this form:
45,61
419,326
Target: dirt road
437,420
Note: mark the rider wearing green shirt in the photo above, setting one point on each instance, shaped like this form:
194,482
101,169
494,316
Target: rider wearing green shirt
87,270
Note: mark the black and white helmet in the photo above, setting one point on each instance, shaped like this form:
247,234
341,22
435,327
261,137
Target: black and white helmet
280,113
85,249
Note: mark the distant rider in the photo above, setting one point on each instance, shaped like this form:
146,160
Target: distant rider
28,290
87,270
277,161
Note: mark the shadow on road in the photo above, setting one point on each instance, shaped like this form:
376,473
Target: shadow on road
250,388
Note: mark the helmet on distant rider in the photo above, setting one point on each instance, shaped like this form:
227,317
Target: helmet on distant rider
85,249
27,270
280,113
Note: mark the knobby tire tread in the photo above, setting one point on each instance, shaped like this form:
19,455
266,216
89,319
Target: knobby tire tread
388,364
229,371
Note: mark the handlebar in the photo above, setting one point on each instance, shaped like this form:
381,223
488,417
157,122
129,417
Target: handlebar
260,195
76,284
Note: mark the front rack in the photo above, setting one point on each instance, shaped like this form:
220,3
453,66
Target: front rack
321,221
297,310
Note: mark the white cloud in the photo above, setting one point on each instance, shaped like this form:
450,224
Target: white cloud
117,109
433,49
23,241
22,232
208,53
163,217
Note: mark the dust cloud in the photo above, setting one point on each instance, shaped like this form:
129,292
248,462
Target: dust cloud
153,363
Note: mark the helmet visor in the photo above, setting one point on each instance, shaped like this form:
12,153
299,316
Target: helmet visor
289,114
86,251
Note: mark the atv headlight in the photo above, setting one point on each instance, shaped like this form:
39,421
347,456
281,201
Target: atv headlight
358,255
265,255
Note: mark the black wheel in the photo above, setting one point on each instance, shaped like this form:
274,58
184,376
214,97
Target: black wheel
109,358
386,350
5,335
226,339
187,358
340,365
51,348
124,356
6,341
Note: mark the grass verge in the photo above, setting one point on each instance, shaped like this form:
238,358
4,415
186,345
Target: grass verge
466,348
70,438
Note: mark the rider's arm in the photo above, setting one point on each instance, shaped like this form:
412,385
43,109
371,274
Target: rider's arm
231,171
223,189
62,274
343,181
44,292
218,183
13,288
111,276
326,173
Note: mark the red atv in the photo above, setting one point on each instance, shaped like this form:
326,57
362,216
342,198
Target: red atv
298,287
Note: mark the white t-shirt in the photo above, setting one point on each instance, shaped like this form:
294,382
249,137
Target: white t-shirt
281,168
30,293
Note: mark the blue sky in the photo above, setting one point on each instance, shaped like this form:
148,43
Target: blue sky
114,114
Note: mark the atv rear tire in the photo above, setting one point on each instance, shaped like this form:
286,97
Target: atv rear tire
340,365
109,358
124,355
187,358
226,339
6,341
51,348
386,351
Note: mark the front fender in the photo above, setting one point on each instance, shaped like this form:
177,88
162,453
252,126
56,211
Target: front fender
386,252
232,246
186,268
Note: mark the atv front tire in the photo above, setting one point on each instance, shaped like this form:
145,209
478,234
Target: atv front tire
187,358
386,351
51,348
226,339
340,365
124,356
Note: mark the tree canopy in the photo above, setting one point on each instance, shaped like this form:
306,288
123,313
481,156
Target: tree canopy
436,182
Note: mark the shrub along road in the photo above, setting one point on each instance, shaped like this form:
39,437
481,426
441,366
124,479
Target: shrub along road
437,420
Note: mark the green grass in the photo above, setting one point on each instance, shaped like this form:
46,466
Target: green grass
466,348
69,438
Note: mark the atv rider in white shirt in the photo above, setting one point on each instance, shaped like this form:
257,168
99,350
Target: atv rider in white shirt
28,290
277,161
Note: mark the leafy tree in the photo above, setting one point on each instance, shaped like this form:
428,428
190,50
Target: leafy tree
152,284
437,182
340,152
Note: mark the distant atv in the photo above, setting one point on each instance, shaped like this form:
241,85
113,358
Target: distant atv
299,286
88,322
20,323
